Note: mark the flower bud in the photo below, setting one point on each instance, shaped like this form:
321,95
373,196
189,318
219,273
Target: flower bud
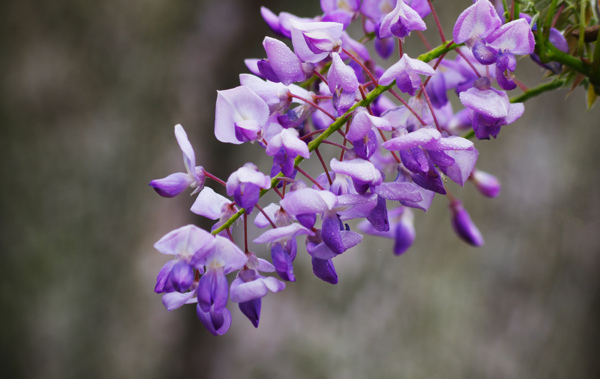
463,225
486,183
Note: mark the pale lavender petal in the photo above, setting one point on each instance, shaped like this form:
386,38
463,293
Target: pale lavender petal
399,191
245,291
172,185
238,105
308,200
463,166
515,37
185,242
252,66
476,22
285,64
209,204
401,21
358,169
265,266
324,37
417,138
341,76
189,158
174,300
261,221
283,233
486,183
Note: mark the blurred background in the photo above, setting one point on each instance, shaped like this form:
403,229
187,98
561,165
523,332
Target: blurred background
90,91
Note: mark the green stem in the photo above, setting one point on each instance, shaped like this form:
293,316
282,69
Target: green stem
438,51
533,92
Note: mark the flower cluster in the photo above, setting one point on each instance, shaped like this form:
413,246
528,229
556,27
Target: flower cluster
396,151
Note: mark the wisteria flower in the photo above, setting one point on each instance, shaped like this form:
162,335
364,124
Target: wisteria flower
186,244
245,185
283,65
401,21
313,41
490,109
342,84
176,183
250,287
406,74
240,115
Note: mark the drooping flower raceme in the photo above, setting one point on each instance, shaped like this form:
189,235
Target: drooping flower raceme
382,158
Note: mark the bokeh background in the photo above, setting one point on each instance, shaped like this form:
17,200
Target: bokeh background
90,91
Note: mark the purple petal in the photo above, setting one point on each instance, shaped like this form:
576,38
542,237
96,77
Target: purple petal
238,106
404,233
216,323
163,283
514,37
486,183
209,204
189,158
417,138
358,169
401,21
282,260
283,233
251,309
324,270
308,201
174,300
313,41
464,226
399,191
284,63
330,232
182,276
378,216
172,185
463,166
476,22
185,242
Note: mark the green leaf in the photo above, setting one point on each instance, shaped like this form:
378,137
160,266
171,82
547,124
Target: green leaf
591,97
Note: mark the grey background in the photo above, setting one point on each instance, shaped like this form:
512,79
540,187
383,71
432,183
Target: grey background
90,92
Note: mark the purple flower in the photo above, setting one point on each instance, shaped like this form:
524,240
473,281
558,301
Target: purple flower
249,287
176,183
213,289
490,109
363,173
185,243
284,247
285,65
313,41
245,185
406,73
401,21
306,203
342,84
475,23
240,115
284,147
